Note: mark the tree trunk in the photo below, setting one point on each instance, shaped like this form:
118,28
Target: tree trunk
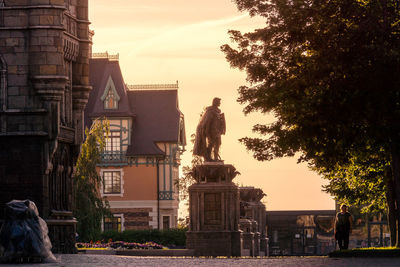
396,185
391,206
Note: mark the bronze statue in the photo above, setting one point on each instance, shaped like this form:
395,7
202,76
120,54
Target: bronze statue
209,131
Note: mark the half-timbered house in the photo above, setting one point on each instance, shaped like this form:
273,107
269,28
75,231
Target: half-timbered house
140,163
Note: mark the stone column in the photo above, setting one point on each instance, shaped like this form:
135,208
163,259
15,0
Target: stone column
262,228
80,72
254,227
248,237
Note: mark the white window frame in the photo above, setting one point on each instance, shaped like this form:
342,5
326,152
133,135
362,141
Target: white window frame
121,171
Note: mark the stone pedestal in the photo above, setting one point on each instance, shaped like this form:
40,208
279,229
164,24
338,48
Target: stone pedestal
214,212
253,211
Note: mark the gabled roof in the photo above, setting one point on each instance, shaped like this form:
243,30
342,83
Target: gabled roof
157,117
100,71
110,86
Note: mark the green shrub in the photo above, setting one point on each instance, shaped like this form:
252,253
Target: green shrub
169,238
113,235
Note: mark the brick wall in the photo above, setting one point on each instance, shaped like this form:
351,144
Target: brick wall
135,218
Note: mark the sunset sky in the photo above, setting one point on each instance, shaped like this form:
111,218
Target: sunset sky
162,41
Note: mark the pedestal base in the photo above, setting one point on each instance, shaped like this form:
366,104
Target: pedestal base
62,231
215,243
264,248
248,244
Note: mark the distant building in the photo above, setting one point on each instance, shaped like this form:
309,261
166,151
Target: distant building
140,163
303,232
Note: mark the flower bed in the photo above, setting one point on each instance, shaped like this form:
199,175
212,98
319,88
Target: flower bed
118,245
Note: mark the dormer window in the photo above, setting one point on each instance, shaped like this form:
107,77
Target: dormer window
110,102
110,96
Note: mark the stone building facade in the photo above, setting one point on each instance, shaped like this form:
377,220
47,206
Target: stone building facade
44,87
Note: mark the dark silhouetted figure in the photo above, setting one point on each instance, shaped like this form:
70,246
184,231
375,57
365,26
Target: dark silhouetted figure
343,225
209,131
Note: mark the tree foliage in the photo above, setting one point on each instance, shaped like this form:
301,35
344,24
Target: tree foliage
184,182
90,207
187,179
359,183
329,72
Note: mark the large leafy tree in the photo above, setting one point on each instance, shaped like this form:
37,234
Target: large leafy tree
329,72
359,183
90,207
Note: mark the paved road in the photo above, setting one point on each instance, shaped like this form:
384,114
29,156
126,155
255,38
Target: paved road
119,261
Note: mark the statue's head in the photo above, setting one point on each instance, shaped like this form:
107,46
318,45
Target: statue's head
216,102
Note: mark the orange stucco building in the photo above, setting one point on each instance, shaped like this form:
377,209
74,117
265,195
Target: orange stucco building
140,164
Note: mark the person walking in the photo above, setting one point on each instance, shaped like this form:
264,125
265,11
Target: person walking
343,227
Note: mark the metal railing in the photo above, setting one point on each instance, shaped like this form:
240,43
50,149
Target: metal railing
106,55
107,157
166,195
137,87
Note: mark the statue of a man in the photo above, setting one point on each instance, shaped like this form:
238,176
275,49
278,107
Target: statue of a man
209,131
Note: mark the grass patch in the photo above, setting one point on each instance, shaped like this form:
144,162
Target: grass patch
366,252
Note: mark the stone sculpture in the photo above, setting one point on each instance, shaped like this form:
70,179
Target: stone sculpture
209,131
23,235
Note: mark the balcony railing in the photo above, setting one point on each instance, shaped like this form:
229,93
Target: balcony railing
166,195
113,157
106,55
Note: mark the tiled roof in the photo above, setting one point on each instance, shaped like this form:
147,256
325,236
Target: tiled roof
155,111
157,120
99,72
